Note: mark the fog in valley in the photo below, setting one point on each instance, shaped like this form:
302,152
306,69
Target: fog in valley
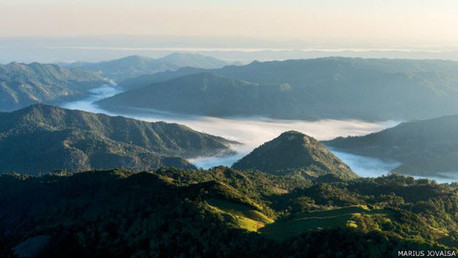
87,104
254,131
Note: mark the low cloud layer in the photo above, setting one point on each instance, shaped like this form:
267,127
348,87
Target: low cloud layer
252,132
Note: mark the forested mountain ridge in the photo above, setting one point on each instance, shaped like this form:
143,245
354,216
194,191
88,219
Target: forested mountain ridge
424,147
203,94
41,138
132,66
323,88
172,212
295,152
25,84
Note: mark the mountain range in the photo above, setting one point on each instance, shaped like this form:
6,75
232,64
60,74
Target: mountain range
295,152
43,138
79,184
423,147
26,84
324,88
133,66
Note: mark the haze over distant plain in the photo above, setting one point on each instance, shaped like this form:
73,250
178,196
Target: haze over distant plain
393,22
57,31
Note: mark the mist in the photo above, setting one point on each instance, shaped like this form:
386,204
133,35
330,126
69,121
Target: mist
87,104
251,132
366,166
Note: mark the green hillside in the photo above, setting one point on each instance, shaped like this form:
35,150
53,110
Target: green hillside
295,152
42,138
324,88
222,212
310,221
425,147
24,84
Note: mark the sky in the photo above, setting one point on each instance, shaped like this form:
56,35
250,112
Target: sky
394,22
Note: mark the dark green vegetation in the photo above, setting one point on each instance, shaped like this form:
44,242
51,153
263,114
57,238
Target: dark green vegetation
42,138
295,152
222,212
425,148
338,88
25,84
133,66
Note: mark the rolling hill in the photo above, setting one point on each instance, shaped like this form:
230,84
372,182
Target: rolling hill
424,147
43,138
26,84
133,66
295,152
324,88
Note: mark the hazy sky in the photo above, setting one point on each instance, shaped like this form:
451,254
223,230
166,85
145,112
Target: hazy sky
392,21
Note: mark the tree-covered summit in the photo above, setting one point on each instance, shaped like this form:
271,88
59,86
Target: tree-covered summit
293,151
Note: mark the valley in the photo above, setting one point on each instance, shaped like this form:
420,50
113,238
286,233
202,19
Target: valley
326,98
251,131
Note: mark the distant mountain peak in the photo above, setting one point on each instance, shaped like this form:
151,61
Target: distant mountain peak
294,151
135,65
134,58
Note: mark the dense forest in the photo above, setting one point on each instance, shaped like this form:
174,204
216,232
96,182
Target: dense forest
223,212
43,138
293,151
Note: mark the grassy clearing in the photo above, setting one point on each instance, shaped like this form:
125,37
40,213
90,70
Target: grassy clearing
241,215
307,221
